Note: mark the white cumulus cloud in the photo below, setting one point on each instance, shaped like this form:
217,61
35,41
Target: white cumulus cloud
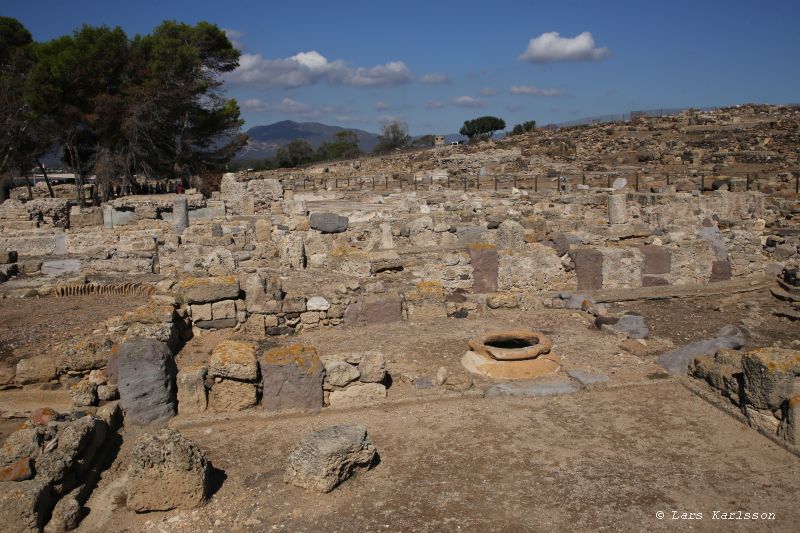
234,36
535,91
309,68
468,101
435,79
550,47
290,106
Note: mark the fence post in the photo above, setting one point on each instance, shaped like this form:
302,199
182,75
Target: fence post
797,183
747,187
609,181
415,182
515,181
495,184
478,183
637,182
702,183
667,179
583,180
536,183
465,182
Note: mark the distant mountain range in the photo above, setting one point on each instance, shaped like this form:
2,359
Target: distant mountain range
264,141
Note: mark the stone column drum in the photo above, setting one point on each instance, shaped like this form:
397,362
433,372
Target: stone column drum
180,214
617,209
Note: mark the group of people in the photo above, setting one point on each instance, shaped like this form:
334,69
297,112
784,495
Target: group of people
148,188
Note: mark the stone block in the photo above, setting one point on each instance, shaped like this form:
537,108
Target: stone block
167,472
358,395
25,505
340,373
191,395
510,235
657,260
201,312
207,290
426,301
588,268
223,309
382,308
146,380
485,264
653,281
292,378
232,395
317,303
383,261
222,323
372,367
328,222
720,271
769,375
294,305
39,369
234,360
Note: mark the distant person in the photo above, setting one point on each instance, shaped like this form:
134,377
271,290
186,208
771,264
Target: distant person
179,188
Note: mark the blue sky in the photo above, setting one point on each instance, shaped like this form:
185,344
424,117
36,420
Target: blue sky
435,64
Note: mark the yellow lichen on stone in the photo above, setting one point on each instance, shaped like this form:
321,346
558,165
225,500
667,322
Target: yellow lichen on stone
302,355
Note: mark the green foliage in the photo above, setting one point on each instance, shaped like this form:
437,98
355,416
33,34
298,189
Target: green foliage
482,127
344,146
395,136
424,141
525,127
118,107
297,152
16,60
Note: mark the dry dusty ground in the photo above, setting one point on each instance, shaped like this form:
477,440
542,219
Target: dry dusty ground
606,458
32,326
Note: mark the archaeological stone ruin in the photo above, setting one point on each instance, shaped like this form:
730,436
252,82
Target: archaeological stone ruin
371,330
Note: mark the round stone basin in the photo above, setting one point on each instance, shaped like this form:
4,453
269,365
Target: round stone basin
512,345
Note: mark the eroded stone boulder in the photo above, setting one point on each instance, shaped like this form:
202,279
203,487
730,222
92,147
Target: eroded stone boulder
167,472
328,457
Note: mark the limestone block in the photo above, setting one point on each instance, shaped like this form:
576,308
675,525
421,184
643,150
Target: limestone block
223,309
167,472
232,395
358,395
207,290
372,367
234,360
510,235
326,458
192,398
340,373
201,312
